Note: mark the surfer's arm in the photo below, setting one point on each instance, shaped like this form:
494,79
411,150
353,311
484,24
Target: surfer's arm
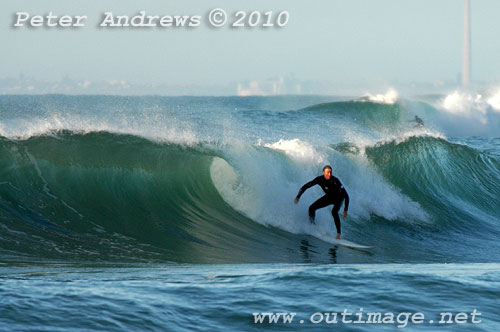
346,199
305,187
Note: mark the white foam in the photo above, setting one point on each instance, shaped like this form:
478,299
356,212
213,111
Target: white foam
298,150
262,185
230,186
363,141
471,104
466,104
494,100
465,113
390,97
148,126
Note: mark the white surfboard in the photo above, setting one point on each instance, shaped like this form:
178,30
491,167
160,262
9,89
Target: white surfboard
350,244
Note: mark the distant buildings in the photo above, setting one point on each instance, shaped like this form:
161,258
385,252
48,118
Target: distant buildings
268,87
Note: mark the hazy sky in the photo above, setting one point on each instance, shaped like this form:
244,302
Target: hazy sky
341,41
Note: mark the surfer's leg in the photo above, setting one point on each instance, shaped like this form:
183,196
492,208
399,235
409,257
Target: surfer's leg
335,214
320,203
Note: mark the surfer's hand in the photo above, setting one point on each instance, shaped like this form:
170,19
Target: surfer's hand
345,214
296,200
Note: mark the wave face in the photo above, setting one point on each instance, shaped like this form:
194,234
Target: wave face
118,197
213,179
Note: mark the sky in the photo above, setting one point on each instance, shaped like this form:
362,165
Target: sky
347,42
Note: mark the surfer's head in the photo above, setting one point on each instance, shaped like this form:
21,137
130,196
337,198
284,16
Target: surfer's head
327,172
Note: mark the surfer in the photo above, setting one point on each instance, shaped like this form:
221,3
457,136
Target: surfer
419,122
335,194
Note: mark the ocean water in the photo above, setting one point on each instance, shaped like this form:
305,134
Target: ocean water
176,213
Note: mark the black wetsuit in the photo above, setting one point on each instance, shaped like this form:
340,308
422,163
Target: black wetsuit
335,194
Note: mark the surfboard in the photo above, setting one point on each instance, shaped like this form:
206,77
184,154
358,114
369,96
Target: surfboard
350,244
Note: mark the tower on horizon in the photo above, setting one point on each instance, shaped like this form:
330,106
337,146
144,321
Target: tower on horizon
466,55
